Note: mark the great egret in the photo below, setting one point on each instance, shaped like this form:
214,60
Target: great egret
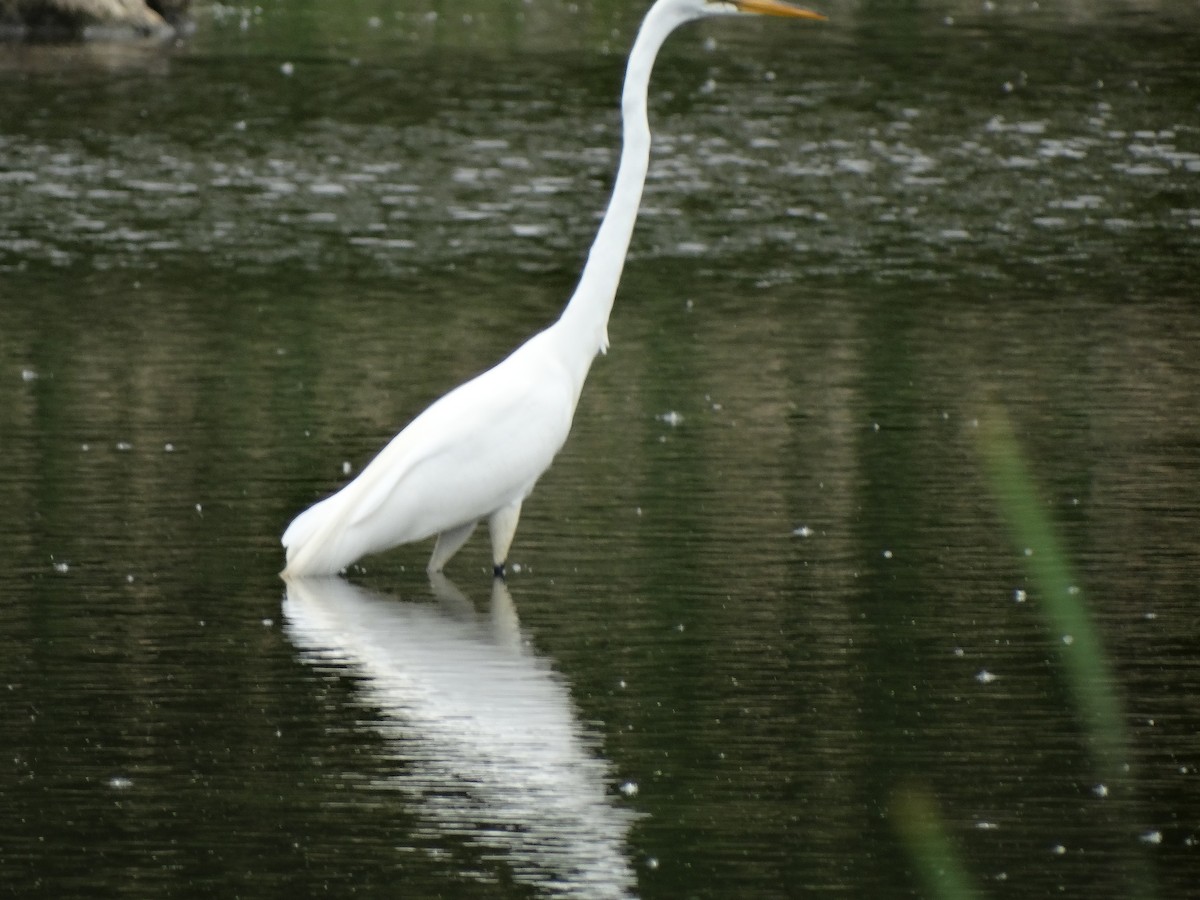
478,451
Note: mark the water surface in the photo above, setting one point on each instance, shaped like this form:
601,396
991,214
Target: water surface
773,627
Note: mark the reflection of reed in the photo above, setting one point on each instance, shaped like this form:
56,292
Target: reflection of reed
485,730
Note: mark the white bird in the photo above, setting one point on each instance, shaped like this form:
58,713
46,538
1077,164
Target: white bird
477,452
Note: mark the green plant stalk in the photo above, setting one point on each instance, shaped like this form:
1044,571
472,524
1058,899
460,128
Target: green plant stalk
1059,597
938,865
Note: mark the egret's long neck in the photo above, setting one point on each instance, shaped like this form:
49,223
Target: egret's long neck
585,320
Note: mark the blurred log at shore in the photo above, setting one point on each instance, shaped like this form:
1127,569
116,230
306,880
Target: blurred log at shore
72,18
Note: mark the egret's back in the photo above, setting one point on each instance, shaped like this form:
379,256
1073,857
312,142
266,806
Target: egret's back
476,450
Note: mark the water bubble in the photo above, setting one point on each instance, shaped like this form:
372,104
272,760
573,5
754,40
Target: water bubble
985,677
629,788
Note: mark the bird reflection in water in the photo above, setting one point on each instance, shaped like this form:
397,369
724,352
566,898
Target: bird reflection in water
485,729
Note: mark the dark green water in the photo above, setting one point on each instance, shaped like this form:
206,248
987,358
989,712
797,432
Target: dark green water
780,625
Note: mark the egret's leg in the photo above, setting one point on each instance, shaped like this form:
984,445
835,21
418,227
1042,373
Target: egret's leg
448,543
503,526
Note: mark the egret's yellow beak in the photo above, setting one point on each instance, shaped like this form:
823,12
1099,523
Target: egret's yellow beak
776,8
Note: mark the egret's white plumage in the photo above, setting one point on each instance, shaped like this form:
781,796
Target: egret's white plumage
478,451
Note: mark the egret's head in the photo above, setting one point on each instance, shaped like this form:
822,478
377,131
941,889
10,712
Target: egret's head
755,7
676,12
